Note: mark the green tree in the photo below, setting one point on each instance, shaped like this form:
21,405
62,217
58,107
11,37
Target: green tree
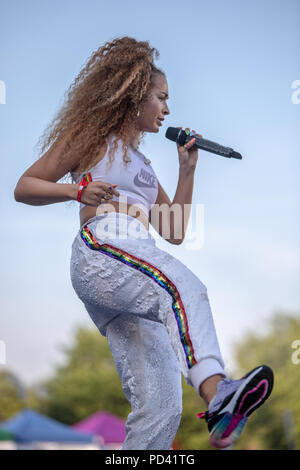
265,428
86,383
12,395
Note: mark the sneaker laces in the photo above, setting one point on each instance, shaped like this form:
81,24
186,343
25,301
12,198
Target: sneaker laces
227,381
225,387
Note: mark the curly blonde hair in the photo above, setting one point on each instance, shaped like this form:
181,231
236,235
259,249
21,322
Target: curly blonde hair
104,98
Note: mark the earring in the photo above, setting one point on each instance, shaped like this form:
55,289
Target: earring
138,113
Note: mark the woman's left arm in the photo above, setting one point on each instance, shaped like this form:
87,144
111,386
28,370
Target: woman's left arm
182,203
176,214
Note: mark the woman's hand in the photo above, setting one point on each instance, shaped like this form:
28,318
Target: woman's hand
97,192
188,155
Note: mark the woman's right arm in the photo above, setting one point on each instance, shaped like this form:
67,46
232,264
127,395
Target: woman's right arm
38,192
37,186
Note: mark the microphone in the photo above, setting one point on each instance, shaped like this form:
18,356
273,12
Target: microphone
182,138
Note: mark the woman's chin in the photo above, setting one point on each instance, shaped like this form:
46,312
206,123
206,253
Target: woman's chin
154,128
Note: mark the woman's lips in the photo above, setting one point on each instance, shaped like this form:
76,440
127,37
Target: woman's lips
160,123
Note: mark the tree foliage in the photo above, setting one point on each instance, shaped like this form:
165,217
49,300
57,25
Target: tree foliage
88,382
12,395
265,428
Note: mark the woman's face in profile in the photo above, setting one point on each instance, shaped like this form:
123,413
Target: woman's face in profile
155,107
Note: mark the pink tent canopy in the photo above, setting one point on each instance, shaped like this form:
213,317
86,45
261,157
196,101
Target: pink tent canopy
110,427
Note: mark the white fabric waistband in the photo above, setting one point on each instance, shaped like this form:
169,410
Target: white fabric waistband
117,225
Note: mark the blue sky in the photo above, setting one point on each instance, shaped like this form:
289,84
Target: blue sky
230,68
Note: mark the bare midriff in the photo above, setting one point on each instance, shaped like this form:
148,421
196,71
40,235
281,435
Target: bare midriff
88,212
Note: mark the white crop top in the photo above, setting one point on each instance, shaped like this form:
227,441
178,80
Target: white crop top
137,183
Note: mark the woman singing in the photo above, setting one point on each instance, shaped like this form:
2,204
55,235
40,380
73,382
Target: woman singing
154,311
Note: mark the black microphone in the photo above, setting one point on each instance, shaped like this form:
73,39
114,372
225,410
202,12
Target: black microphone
182,138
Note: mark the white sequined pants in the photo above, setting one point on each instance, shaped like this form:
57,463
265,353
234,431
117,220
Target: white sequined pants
156,316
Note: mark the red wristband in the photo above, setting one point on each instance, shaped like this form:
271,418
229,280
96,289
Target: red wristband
87,178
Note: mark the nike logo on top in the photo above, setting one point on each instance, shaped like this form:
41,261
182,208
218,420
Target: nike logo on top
145,179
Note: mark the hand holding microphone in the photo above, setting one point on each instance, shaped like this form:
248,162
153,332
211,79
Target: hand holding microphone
181,137
188,152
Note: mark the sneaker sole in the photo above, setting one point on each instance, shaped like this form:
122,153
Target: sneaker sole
251,394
